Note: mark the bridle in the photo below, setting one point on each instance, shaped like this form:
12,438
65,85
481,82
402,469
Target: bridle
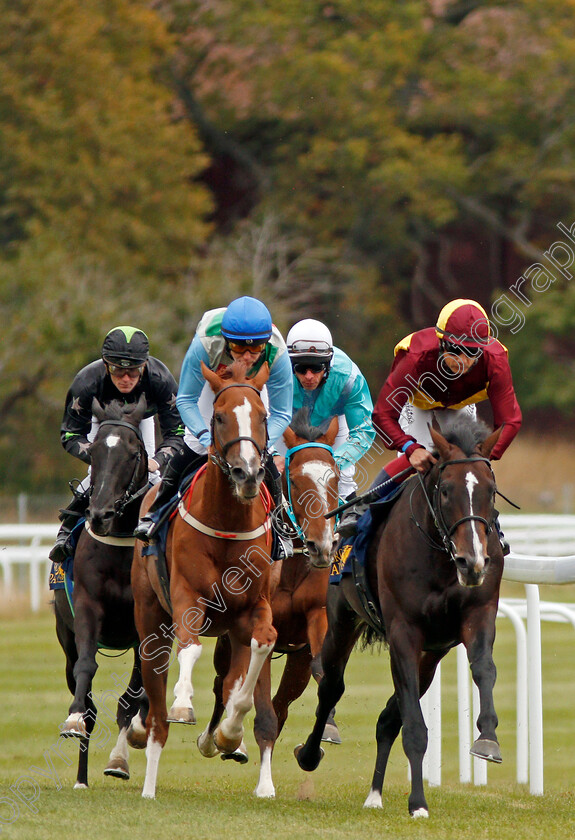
297,529
133,491
434,504
220,458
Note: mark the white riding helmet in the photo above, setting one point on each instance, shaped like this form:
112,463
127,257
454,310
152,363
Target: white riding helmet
310,342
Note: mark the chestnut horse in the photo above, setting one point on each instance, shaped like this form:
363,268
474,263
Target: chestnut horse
434,570
219,568
100,612
310,484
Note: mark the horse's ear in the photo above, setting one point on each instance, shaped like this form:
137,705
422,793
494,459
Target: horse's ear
442,445
261,376
290,437
332,431
489,442
98,410
137,413
215,381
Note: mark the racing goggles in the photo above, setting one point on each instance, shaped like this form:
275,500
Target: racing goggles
303,367
240,347
460,350
132,372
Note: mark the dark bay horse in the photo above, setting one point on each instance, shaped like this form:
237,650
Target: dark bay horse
100,613
434,570
219,567
310,484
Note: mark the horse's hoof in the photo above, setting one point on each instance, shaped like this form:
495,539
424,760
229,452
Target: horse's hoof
136,735
486,749
206,745
181,714
225,744
73,727
420,812
117,767
80,786
307,765
331,734
241,756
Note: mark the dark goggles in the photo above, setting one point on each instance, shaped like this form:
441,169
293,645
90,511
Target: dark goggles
460,350
303,367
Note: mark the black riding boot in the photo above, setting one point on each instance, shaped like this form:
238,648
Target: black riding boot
179,464
69,517
282,545
505,547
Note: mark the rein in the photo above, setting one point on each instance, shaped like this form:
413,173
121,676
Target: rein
434,505
220,459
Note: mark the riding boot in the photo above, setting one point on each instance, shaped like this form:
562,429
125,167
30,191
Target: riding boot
282,545
69,517
179,464
505,547
347,525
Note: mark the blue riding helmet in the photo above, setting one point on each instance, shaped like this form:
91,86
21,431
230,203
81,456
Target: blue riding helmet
247,319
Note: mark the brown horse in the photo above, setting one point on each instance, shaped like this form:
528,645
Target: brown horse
100,612
434,570
219,567
310,484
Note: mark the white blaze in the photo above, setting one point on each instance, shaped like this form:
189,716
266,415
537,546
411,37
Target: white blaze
471,481
243,416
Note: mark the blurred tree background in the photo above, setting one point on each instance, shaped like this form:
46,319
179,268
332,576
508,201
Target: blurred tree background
361,163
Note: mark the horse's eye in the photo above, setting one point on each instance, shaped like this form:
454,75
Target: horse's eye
218,418
444,493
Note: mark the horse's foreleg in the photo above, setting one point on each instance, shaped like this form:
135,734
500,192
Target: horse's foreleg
317,628
87,632
182,710
222,660
239,693
294,680
342,634
128,708
405,653
265,730
479,645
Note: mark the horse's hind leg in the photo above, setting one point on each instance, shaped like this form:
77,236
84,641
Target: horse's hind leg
342,634
479,644
317,628
294,680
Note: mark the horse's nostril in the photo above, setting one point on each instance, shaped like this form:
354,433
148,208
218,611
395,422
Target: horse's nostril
238,475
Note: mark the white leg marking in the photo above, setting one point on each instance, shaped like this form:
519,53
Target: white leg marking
373,800
421,812
241,697
153,753
121,748
265,787
183,690
471,481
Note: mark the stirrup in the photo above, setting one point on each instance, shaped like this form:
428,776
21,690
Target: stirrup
145,529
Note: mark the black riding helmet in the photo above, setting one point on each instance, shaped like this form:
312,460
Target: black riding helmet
126,347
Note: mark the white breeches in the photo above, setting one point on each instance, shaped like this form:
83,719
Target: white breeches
415,421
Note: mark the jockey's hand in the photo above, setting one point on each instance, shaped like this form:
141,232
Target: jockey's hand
421,460
280,463
153,466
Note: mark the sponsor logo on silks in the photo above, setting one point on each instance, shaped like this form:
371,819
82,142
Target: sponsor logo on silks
339,560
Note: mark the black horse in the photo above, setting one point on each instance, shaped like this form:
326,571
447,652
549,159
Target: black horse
434,569
100,611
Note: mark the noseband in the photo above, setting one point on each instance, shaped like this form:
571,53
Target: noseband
220,459
132,492
446,531
297,529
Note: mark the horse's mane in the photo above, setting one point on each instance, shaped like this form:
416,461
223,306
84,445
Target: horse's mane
236,372
467,434
117,410
301,426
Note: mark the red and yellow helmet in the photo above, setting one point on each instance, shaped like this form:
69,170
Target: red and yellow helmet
464,322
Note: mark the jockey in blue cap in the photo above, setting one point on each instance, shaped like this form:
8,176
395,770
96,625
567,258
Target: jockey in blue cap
241,331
